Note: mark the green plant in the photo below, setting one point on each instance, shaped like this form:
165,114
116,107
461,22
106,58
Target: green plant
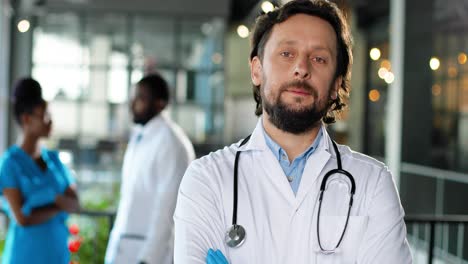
94,232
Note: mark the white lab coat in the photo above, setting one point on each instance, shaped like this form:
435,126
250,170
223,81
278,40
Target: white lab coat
152,170
281,227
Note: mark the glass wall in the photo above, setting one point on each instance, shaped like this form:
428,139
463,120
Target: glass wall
436,68
88,63
434,161
379,76
450,99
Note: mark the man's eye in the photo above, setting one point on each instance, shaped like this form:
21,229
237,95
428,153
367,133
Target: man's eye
319,60
286,54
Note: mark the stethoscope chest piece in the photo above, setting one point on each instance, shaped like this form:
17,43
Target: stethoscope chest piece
235,236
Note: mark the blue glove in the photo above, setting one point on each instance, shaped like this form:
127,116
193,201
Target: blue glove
215,257
38,198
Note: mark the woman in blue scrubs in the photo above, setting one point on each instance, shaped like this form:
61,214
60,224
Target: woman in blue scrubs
38,189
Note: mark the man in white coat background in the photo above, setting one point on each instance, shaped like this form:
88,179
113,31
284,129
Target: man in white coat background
156,158
300,65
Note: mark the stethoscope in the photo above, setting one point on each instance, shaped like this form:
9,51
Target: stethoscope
235,235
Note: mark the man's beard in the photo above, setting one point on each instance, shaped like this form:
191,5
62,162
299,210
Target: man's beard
143,118
295,121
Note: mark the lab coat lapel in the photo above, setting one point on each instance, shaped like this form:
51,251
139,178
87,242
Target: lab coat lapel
134,159
267,165
129,157
272,172
314,168
311,174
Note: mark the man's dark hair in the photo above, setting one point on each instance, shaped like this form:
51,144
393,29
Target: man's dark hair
27,95
156,85
325,10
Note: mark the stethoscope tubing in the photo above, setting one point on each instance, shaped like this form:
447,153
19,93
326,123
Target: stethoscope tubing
236,173
339,170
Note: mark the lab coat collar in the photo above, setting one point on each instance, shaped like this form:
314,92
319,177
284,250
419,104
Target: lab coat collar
328,147
257,140
312,171
315,164
325,143
151,126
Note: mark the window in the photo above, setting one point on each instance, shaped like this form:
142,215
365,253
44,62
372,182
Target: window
88,64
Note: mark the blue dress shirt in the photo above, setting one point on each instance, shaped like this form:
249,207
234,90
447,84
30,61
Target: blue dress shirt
293,170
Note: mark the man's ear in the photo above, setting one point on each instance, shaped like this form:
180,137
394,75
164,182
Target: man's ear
336,87
256,71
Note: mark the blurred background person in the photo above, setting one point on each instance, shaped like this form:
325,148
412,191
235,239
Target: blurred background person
155,160
39,190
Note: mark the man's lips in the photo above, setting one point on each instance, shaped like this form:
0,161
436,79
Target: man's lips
301,92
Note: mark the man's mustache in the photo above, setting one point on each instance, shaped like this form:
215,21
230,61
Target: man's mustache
299,84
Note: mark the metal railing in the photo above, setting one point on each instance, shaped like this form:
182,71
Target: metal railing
88,213
110,216
433,221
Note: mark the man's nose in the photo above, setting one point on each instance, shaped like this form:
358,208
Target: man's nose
302,68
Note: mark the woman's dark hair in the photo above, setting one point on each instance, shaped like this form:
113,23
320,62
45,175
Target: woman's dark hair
27,95
325,10
156,85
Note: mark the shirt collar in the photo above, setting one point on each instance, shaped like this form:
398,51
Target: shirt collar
257,140
278,151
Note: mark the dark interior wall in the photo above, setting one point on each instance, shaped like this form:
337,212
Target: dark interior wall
420,198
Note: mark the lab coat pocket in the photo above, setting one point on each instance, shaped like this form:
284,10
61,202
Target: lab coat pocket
330,233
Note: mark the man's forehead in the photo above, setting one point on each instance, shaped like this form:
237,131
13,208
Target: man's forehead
302,27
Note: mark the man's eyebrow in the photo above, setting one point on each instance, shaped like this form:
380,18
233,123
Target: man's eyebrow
287,42
315,47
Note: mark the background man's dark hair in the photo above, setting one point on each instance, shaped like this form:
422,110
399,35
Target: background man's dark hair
156,85
325,10
27,95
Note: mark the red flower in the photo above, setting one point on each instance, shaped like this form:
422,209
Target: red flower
74,245
74,229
